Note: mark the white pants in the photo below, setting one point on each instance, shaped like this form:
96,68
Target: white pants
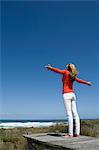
71,110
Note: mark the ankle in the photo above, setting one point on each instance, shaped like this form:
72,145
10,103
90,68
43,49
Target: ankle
76,135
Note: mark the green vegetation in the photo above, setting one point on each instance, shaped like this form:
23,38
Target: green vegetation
12,139
90,128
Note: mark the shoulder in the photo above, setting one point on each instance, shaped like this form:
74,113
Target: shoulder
66,72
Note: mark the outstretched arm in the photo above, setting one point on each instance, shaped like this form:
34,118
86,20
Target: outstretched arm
82,81
55,69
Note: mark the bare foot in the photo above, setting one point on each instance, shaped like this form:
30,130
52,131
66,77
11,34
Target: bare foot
67,136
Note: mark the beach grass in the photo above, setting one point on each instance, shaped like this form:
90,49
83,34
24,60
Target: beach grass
12,139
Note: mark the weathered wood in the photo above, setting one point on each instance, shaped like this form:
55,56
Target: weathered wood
56,141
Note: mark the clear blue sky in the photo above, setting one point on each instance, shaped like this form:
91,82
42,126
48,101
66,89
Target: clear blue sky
37,33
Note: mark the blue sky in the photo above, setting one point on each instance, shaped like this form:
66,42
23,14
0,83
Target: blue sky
37,33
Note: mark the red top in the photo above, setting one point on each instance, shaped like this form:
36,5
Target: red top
67,83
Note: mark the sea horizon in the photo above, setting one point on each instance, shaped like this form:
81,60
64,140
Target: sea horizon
56,119
14,123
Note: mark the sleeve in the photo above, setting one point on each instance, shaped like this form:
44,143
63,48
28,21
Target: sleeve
81,81
58,70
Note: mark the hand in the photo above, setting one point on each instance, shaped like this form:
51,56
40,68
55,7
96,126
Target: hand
89,83
48,66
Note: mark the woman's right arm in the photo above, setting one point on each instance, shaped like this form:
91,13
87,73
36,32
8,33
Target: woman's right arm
55,69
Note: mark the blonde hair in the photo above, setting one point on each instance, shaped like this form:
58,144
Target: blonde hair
73,71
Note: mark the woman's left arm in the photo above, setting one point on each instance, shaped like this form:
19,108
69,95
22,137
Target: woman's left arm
82,81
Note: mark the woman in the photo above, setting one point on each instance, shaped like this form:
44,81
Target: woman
68,78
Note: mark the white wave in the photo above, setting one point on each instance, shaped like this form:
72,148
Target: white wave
27,124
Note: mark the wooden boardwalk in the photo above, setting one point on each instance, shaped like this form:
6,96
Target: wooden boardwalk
52,141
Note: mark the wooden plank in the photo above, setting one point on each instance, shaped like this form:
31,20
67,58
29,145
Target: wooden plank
60,142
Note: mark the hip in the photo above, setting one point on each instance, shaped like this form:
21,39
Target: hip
70,95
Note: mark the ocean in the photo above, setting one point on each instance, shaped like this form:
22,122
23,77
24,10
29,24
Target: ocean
7,124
